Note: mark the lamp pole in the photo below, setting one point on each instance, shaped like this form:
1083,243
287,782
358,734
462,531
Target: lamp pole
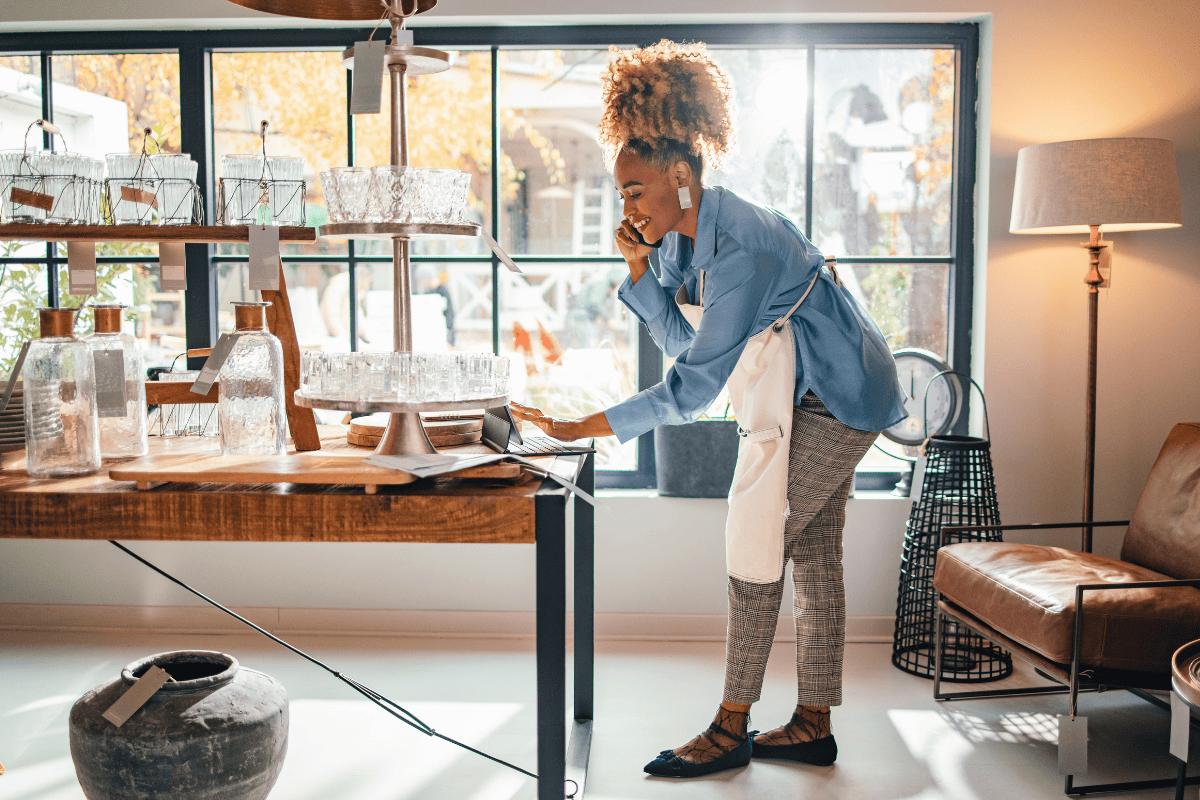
1093,280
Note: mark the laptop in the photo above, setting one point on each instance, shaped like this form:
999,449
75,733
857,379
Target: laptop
502,435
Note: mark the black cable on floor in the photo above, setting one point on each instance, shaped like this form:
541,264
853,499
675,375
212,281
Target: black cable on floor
395,709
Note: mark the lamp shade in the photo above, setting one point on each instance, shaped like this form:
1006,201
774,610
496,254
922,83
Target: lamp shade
330,9
1121,184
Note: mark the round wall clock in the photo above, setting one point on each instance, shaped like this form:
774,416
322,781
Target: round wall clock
916,368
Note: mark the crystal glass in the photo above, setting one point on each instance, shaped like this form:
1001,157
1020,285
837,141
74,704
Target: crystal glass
251,406
460,188
405,381
333,203
132,172
310,373
287,199
60,408
243,172
439,188
177,192
58,170
122,436
390,186
500,369
354,190
21,169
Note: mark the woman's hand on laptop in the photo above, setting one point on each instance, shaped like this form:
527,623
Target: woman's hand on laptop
565,430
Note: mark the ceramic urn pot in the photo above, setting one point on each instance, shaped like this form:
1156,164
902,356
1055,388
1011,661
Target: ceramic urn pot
217,732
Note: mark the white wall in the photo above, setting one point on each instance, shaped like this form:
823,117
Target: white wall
1052,71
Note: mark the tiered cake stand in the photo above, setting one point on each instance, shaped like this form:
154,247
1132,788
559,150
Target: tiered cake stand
405,434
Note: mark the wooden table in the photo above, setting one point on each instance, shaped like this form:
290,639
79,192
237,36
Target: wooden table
529,511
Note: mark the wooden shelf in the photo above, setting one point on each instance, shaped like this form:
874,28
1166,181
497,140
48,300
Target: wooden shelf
205,234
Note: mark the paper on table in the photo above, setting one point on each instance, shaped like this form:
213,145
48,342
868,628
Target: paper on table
427,465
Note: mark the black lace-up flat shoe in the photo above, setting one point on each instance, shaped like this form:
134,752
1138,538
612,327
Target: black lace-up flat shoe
669,765
819,752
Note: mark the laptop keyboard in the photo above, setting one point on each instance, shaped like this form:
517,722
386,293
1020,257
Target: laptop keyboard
533,445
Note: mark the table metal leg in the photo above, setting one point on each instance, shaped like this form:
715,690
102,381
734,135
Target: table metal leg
551,530
585,632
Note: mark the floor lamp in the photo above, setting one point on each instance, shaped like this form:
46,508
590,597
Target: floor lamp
1077,187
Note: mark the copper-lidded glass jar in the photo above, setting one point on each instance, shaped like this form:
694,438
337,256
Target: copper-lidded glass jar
61,425
120,385
251,409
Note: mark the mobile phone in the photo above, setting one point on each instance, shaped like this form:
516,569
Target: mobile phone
642,240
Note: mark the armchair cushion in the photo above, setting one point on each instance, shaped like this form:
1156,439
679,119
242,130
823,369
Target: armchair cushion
1027,593
1164,534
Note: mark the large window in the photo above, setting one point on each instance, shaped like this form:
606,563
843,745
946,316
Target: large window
863,135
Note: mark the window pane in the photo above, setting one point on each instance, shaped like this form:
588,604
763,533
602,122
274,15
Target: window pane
767,164
251,87
449,126
574,346
883,151
319,295
558,198
451,306
909,302
20,100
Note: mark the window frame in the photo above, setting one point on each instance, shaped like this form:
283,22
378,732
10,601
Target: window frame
195,49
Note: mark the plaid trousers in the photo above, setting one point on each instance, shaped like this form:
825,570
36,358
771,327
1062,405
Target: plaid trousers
822,458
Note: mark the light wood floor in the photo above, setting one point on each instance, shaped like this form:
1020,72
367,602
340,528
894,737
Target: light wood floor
895,742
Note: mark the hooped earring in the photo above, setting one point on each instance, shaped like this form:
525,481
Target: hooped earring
685,197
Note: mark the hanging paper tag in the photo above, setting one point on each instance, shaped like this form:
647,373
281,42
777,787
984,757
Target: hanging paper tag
172,268
81,266
366,91
136,696
500,254
12,379
1072,745
1181,727
212,365
264,257
24,197
111,397
135,195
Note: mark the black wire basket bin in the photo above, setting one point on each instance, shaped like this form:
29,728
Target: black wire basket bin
959,488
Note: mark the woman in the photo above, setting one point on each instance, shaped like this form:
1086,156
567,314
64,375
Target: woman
743,301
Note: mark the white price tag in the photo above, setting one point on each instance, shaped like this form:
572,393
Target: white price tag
214,362
81,266
264,258
499,251
1181,727
366,91
136,696
172,266
111,393
1072,745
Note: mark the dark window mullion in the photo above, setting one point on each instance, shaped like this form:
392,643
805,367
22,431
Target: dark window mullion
351,262
810,114
495,185
46,68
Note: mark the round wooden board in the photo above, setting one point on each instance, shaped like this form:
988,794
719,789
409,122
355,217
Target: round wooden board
451,440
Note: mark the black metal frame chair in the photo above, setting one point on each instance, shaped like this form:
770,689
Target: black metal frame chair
1078,678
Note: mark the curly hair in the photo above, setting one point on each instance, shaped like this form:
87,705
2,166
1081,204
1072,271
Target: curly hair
669,102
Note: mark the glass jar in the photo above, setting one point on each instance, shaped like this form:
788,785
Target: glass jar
121,408
251,410
61,435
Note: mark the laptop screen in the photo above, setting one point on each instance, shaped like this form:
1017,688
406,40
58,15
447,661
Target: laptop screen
497,428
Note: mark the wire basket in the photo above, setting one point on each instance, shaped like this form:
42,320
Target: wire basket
261,201
959,489
49,186
152,201
184,419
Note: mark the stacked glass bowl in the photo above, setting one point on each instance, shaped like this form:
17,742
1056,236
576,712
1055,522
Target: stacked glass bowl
395,194
403,377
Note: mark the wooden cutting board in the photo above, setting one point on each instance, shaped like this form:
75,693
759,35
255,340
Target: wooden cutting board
375,424
451,440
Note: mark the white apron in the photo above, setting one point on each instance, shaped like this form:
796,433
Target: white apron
762,392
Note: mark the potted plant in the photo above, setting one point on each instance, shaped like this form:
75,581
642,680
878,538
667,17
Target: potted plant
696,459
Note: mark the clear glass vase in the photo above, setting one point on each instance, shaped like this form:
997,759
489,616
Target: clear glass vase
122,425
61,436
251,409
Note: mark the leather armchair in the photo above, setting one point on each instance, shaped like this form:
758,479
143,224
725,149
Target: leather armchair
1136,610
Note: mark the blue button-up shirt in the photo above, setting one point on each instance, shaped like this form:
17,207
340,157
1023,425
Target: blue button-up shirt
757,264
